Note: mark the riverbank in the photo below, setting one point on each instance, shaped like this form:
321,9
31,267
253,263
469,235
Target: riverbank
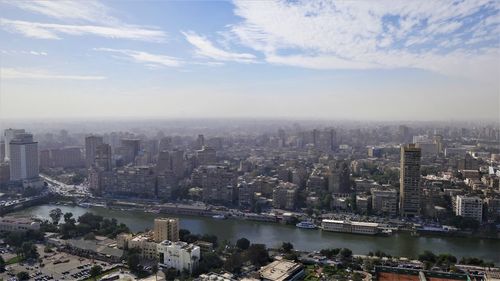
273,234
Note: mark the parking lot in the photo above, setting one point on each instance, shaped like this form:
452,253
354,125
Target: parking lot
54,266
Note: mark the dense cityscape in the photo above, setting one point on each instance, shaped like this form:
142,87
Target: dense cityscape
361,179
269,140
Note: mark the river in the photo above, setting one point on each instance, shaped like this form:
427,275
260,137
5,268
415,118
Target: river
272,234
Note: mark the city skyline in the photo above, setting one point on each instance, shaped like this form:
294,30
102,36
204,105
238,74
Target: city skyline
301,60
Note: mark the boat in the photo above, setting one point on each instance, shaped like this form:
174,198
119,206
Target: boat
306,225
219,217
386,232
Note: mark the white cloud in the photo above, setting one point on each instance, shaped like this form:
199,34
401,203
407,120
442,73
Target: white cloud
368,34
78,18
53,31
16,52
151,60
205,48
89,10
15,73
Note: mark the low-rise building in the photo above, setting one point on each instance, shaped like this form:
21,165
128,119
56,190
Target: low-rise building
146,244
179,255
10,224
368,228
282,270
384,201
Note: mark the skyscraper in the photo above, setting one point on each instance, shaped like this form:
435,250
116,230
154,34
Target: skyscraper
23,157
91,143
409,181
103,156
9,135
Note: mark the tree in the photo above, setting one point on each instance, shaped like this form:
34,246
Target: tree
234,263
55,215
330,253
27,251
345,254
2,264
170,273
287,247
243,243
257,254
95,271
427,256
154,269
23,275
133,262
67,217
209,262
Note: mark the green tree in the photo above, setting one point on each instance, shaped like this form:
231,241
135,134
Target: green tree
55,215
134,262
427,256
170,273
154,269
345,254
67,217
2,264
287,247
95,271
243,243
257,254
234,263
23,275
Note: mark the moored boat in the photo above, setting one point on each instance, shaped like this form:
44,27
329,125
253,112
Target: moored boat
306,225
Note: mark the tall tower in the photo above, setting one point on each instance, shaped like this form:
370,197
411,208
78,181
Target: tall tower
91,144
409,181
9,135
23,157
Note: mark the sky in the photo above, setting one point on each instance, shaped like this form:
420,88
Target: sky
358,60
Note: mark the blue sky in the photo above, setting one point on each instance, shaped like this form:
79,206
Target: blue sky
383,60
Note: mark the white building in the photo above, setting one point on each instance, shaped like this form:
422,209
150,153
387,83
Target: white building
9,135
469,207
23,157
18,224
369,228
179,255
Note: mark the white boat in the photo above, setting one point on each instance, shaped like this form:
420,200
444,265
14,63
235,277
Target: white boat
306,225
219,217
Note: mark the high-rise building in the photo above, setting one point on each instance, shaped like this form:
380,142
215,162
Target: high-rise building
166,229
163,163
2,151
178,163
103,157
339,178
409,181
133,145
469,207
206,156
9,135
23,157
91,144
200,142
